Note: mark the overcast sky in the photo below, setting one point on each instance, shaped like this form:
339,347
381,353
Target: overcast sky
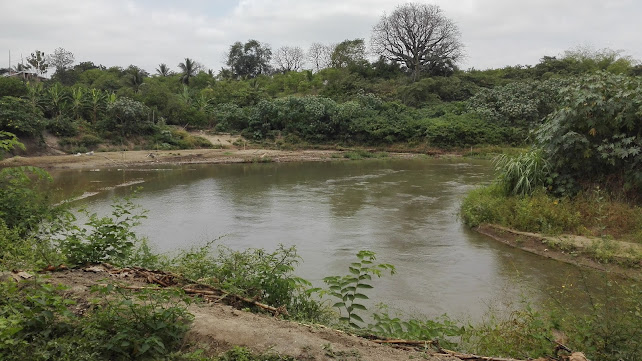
149,32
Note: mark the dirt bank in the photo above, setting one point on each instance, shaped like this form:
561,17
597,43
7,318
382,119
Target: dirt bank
218,327
572,249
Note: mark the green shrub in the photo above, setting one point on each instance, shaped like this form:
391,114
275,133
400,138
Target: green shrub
104,239
62,126
254,273
596,134
23,203
36,323
19,117
149,324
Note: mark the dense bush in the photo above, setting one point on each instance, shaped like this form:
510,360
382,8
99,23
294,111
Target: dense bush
19,117
522,104
596,134
128,117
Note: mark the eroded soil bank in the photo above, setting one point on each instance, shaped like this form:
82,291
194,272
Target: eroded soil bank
570,249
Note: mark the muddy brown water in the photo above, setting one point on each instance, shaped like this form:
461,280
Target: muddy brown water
404,210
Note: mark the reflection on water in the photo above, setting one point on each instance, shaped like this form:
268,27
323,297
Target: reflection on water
404,210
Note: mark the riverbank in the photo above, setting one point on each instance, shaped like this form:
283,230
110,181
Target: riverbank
573,249
190,156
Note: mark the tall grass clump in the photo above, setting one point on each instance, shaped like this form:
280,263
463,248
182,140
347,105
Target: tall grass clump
521,175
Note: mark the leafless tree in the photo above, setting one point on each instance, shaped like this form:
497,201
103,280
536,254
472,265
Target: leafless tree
61,59
419,36
319,55
288,58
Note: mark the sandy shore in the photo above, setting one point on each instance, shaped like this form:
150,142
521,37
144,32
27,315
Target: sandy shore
190,156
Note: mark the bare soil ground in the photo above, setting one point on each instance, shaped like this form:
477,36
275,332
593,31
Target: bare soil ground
218,327
230,149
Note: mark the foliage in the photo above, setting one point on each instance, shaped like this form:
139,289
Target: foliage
523,103
12,86
607,327
23,203
189,68
104,239
36,323
244,354
596,134
254,273
523,174
584,214
150,323
8,142
33,316
18,117
38,62
249,60
442,329
348,289
348,53
520,333
128,117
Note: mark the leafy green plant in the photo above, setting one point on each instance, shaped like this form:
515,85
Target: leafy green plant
349,289
443,328
33,315
595,135
254,273
150,323
8,142
24,205
104,239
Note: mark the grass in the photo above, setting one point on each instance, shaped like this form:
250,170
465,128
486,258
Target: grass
591,213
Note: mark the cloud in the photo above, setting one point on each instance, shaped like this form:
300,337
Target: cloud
146,33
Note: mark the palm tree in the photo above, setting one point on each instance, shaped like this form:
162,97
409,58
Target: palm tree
188,69
163,70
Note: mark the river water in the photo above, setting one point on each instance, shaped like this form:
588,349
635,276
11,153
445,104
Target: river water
404,210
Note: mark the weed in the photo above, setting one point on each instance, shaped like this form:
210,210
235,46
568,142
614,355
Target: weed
105,239
443,328
150,323
349,288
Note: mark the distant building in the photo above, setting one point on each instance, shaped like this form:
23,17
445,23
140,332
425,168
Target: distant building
25,75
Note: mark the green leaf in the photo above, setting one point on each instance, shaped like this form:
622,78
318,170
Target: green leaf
356,317
360,296
339,304
359,307
364,285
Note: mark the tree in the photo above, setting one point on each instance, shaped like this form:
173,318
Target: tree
135,77
348,52
163,70
188,70
419,36
319,55
61,59
38,62
289,58
249,60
